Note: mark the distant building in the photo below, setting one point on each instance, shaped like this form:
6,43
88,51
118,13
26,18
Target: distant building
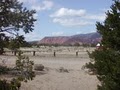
98,46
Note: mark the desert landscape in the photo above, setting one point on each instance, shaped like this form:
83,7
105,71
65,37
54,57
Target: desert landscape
59,45
62,72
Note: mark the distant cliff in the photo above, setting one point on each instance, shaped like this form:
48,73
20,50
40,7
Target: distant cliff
54,40
90,38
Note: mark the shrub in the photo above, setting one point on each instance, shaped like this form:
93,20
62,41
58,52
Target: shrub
62,69
25,67
39,67
3,69
13,85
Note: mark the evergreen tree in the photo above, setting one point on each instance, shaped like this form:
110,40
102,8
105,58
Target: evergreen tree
15,17
106,60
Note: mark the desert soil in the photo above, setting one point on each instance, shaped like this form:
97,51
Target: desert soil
52,79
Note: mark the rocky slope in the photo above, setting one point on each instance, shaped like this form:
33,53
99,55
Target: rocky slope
90,38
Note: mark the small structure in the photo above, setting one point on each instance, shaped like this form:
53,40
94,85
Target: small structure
98,46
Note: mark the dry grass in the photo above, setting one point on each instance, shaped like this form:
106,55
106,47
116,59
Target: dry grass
50,78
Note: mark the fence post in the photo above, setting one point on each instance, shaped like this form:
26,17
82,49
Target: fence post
54,54
33,53
77,53
15,53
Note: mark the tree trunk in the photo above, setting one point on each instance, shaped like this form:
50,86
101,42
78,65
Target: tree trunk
1,51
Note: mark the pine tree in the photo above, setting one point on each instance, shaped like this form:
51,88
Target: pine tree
106,60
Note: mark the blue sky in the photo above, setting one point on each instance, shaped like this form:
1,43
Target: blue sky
65,17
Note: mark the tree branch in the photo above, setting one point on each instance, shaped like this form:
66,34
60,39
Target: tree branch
8,30
11,33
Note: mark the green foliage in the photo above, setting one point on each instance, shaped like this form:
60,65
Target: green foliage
3,69
25,68
16,43
13,18
106,60
107,68
13,85
110,29
4,40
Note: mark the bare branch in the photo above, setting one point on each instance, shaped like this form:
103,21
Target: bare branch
6,29
12,33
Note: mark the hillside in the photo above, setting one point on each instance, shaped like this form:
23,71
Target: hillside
90,38
54,40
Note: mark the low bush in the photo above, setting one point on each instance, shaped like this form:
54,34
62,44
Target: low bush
3,69
39,67
13,85
62,69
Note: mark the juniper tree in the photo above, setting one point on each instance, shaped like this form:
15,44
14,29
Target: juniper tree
106,60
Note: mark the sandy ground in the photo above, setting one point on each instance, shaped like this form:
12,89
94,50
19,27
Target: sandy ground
51,79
